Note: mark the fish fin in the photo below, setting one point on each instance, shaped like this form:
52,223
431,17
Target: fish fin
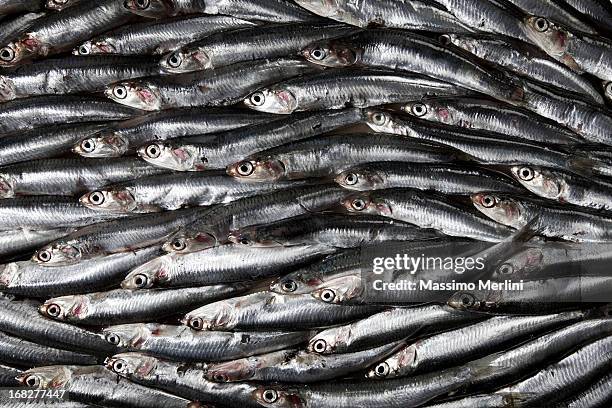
570,62
515,399
581,165
489,365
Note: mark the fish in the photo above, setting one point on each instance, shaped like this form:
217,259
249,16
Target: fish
443,178
419,15
597,393
220,264
426,210
25,114
554,11
220,87
484,114
68,177
72,75
59,5
184,344
249,43
18,25
30,279
126,137
158,37
7,375
195,154
326,155
124,306
18,6
596,11
565,222
24,239
405,51
608,90
340,88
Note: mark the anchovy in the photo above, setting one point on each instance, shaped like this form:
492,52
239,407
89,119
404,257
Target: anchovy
21,115
25,239
16,351
389,326
96,384
18,6
337,89
555,11
608,89
72,75
524,59
222,264
467,343
17,26
7,376
297,366
597,11
184,344
30,279
326,155
250,43
476,113
598,394
220,87
273,311
404,51
158,37
69,176
195,154
124,306
125,137
569,223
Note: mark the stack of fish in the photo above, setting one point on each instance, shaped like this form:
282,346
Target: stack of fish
188,188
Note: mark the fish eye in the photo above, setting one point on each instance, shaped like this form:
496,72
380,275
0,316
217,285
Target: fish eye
358,204
119,366
382,370
270,396
526,174
218,377
120,92
351,179
88,145
244,241
141,280
318,54
488,201
541,24
153,151
44,256
467,300
84,50
418,109
245,169
142,4
505,269
379,118
258,99
319,346
328,295
32,381
289,286
175,60
7,54
178,244
112,338
96,198
445,39
54,310
196,323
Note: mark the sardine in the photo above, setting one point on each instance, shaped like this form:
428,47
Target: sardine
555,11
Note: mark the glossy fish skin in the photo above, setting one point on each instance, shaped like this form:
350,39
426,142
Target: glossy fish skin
7,376
250,43
195,154
22,240
339,88
58,32
72,75
174,191
579,51
122,235
475,113
419,15
565,187
181,343
125,137
273,311
443,178
296,366
404,51
388,326
339,231
96,384
68,177
608,90
524,59
18,6
553,11
158,37
598,394
220,87
426,210
13,28
221,264
325,155
16,351
570,223
466,343
124,306
21,115
29,279
595,10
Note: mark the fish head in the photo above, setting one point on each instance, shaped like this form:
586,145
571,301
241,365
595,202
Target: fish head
542,182
59,5
340,290
380,121
607,86
295,283
467,43
328,341
244,236
547,35
9,273
150,8
465,301
49,377
192,241
139,95
427,110
115,200
17,51
127,335
183,61
258,169
323,8
214,316
173,157
58,254
331,53
232,371
65,308
103,144
360,179
150,274
521,264
502,209
96,47
404,361
366,203
7,89
273,100
276,397
132,365
7,186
